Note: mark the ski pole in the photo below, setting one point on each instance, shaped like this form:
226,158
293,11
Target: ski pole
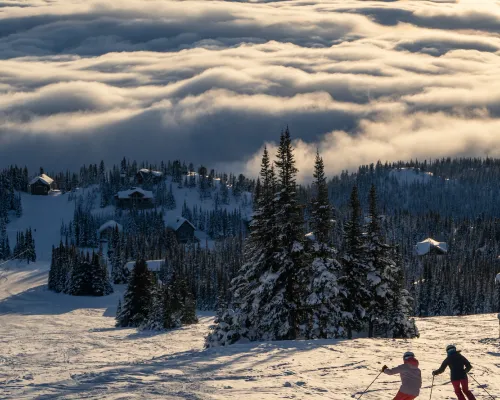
482,387
432,386
369,385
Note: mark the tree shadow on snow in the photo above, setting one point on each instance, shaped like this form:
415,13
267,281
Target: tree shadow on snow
184,374
39,300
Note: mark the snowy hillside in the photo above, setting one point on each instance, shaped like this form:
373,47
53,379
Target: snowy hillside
410,175
44,214
60,347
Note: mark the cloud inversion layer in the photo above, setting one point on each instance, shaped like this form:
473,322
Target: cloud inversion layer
211,81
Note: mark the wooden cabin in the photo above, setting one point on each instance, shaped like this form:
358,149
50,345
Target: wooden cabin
41,185
134,198
184,230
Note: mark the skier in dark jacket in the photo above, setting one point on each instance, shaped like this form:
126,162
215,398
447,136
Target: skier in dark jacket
459,367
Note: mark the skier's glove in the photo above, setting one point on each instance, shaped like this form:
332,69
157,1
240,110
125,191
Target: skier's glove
384,368
434,373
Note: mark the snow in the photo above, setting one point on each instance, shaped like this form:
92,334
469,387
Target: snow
110,224
149,171
497,279
410,175
125,194
428,244
44,215
153,265
56,346
44,178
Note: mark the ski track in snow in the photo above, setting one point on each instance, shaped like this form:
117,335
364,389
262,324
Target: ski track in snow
55,346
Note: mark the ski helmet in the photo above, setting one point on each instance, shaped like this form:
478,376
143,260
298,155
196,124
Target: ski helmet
451,348
408,355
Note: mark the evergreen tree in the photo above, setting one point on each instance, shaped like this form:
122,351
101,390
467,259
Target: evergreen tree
100,283
119,273
390,305
137,299
81,278
267,292
118,313
324,301
157,313
355,270
400,323
321,210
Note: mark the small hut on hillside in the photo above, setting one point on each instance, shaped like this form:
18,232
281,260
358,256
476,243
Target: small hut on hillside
41,185
184,230
431,247
106,230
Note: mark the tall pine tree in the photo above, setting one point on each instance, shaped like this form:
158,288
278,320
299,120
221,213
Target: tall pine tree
324,302
137,300
355,270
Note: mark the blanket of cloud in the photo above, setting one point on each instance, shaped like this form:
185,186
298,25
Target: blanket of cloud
212,81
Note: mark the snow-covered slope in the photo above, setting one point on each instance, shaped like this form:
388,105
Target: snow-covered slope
410,175
55,346
44,214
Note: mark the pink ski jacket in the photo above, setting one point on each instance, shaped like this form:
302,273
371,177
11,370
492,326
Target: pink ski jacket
411,376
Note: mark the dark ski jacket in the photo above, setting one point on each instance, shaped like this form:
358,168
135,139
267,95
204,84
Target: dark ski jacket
459,366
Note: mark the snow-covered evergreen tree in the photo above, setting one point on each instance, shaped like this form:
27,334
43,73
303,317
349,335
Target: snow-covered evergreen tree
355,270
82,278
119,273
267,293
390,304
101,283
137,300
400,321
324,302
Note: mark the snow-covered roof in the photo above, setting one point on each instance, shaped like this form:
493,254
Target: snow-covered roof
153,265
178,223
43,178
150,171
428,244
311,236
110,224
125,194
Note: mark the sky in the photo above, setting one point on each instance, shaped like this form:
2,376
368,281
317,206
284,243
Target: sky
212,82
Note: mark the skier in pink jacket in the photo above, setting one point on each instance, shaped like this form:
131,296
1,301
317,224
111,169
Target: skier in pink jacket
411,377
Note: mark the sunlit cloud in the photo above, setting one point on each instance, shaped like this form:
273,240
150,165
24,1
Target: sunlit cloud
211,82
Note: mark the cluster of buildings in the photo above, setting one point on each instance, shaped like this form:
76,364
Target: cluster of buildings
135,197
